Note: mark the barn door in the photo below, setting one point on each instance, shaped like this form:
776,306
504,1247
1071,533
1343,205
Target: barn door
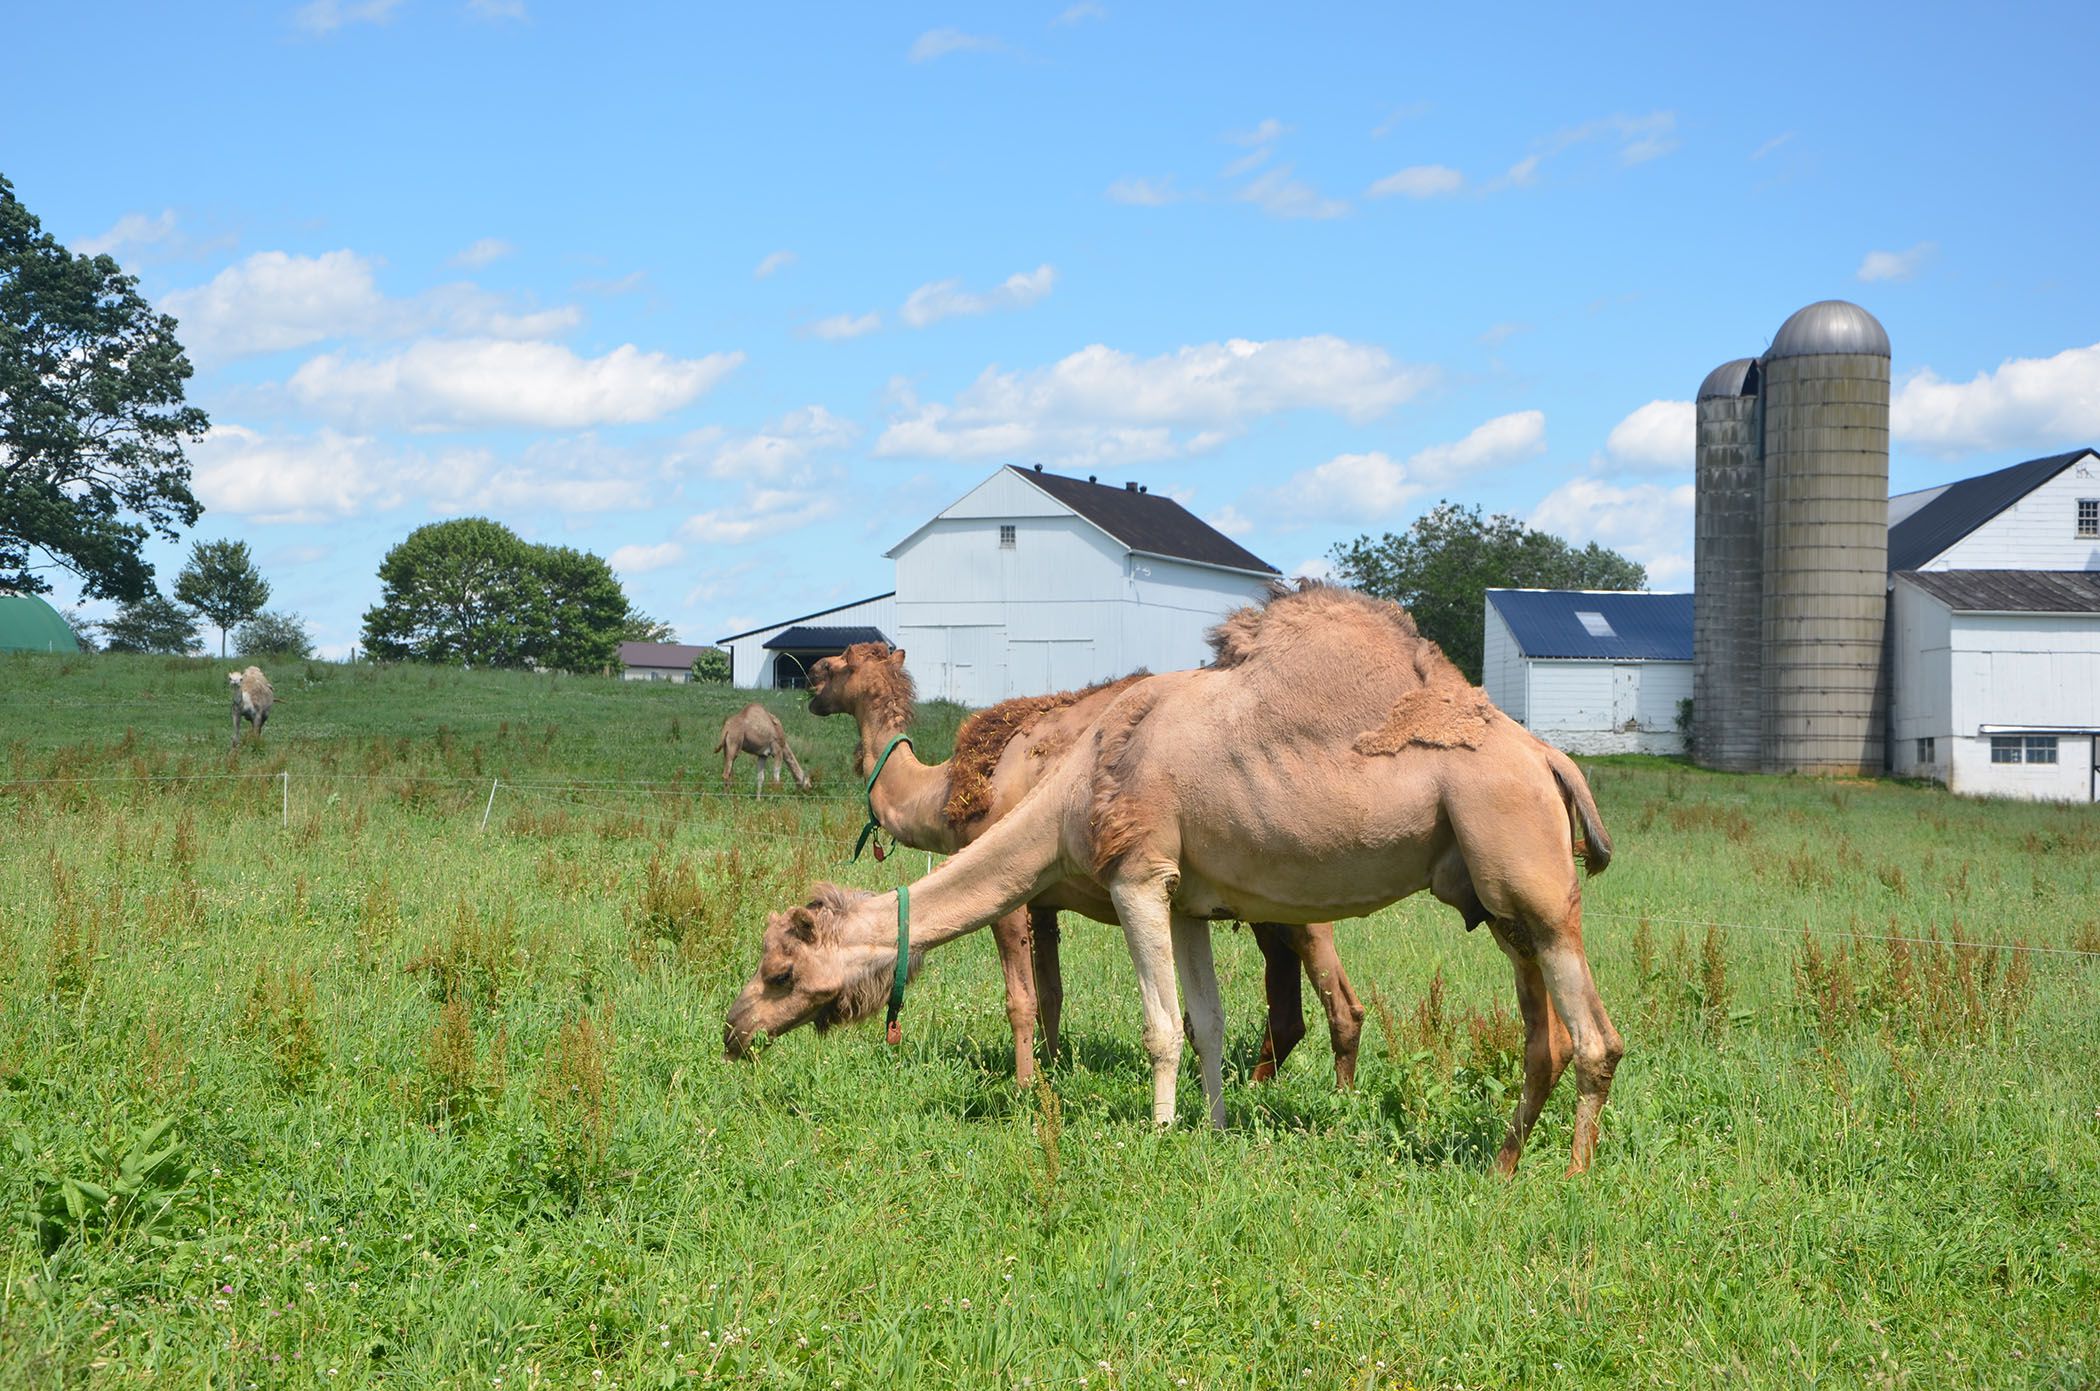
1625,696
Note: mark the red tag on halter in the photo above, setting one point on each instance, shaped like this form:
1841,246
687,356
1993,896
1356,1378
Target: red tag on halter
880,856
896,1033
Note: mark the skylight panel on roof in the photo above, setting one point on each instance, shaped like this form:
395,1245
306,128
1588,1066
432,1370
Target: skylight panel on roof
1594,624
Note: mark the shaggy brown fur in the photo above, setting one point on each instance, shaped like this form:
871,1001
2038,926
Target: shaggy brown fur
1291,606
982,741
1116,819
1436,717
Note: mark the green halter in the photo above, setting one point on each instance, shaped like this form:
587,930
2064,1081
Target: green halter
874,825
894,1033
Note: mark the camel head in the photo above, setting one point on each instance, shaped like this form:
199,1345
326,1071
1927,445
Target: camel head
233,678
867,675
824,963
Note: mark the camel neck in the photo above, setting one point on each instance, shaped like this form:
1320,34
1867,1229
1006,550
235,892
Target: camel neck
1011,863
909,800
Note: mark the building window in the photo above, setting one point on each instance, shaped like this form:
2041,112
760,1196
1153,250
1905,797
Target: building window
1006,536
1595,624
2089,516
2023,748
1925,752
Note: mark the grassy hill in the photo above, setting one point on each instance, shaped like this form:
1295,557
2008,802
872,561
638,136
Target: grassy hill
309,1079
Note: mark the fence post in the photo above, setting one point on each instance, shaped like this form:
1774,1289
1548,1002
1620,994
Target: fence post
285,816
492,803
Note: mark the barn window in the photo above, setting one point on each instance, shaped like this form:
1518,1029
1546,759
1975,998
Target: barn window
2023,748
2089,516
1594,624
1006,536
1925,751
2041,748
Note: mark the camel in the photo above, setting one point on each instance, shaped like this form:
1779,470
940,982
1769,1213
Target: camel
756,730
1002,752
1270,786
252,699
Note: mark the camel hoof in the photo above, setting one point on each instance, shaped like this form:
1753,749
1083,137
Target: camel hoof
1265,1071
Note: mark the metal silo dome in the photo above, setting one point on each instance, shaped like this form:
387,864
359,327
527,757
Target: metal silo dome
1728,571
1825,441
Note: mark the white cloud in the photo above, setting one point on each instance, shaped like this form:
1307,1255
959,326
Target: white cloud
939,43
1374,484
1102,405
1279,195
778,451
1419,181
2040,403
1895,265
1085,9
946,299
640,560
324,477
1647,522
438,384
840,326
774,262
132,229
1230,520
326,16
1660,436
762,512
1317,567
1492,444
1144,193
485,251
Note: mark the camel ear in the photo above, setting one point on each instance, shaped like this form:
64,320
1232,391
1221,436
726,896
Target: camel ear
896,656
802,925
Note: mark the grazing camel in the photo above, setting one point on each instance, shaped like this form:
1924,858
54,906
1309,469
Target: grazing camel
1264,786
1000,753
756,730
252,699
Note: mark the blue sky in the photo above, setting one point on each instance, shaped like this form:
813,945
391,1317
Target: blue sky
739,297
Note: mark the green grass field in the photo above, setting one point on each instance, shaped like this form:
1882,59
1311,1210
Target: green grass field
359,1091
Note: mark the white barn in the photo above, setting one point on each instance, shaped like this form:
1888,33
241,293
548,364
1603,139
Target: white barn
1591,671
1994,631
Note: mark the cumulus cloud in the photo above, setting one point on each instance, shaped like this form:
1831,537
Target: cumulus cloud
1374,484
840,326
485,251
1658,436
327,16
774,262
778,451
318,478
1103,405
761,512
131,230
640,560
939,43
1419,181
440,384
1895,265
1648,522
946,299
2038,403
1144,193
1492,444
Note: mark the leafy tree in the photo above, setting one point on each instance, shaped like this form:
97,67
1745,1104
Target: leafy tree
92,420
152,624
274,635
640,627
471,592
1441,568
712,666
84,628
222,583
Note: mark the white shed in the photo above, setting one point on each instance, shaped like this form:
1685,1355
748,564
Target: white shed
778,656
1591,671
1034,582
1996,688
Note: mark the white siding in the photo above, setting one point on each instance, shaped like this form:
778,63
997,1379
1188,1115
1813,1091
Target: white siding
1597,707
2039,532
2069,779
751,666
1502,666
1920,686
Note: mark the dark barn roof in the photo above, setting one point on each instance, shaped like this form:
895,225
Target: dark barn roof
803,638
1644,627
1148,522
2011,591
1932,530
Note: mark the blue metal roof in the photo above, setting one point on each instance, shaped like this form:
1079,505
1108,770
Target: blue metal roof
1644,627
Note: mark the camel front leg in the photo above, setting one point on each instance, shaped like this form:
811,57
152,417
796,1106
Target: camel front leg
760,786
1199,980
1142,909
1279,980
1043,933
1015,959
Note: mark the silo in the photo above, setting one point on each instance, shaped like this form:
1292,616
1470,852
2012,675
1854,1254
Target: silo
1728,572
1825,410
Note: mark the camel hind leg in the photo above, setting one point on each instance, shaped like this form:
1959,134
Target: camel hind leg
1547,1048
1043,940
1285,995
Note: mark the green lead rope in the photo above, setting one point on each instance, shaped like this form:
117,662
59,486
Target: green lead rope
898,977
873,825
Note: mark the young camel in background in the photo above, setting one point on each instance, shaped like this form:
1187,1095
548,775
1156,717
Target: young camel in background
756,730
252,699
1397,778
1000,753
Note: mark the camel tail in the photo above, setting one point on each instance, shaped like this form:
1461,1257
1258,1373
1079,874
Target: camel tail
1592,843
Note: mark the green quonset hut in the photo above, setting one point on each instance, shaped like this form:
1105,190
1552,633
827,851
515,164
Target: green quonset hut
28,624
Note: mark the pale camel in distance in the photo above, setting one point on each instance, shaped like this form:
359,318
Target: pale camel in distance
1000,753
756,730
252,699
1399,778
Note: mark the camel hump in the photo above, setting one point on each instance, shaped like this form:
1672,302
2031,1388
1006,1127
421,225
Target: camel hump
1435,717
984,737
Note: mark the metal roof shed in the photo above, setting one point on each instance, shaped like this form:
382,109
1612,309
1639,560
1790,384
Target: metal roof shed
1591,671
